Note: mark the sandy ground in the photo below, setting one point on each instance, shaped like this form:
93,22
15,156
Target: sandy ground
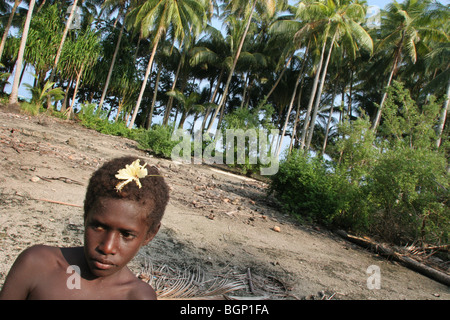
216,221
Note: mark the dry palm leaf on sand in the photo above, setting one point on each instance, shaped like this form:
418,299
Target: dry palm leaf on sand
193,283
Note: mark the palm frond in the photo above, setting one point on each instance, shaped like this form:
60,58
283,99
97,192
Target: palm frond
194,283
189,283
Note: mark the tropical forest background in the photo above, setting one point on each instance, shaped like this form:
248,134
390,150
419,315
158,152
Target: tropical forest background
359,96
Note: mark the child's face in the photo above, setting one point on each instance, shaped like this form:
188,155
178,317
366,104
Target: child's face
115,229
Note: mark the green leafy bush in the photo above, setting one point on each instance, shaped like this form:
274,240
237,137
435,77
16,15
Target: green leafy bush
245,119
409,192
408,185
40,95
307,188
31,109
157,139
97,120
88,116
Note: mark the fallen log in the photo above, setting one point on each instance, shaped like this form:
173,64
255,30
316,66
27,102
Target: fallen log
403,259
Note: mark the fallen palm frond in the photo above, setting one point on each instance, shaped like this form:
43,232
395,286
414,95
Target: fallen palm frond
193,283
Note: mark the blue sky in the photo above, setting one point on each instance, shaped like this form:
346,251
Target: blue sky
379,3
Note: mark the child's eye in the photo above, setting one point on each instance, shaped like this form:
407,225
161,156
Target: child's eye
97,226
128,236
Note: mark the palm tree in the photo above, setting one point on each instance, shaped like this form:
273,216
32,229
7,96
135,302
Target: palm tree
13,98
63,39
39,95
122,4
234,7
291,103
437,59
8,25
403,25
342,20
155,17
352,36
443,117
213,53
180,57
79,55
189,104
43,40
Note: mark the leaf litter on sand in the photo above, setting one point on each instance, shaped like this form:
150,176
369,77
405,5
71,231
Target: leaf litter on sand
194,283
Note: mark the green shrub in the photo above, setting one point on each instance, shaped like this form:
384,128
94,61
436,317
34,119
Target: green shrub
309,189
409,192
88,117
408,184
245,119
97,120
30,108
157,139
40,95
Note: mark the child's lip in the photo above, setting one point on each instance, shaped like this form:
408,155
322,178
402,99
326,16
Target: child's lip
102,264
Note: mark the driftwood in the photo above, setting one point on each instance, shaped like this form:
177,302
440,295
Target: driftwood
60,202
406,261
64,179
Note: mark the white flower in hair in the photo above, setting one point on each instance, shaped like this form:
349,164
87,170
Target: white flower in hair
131,172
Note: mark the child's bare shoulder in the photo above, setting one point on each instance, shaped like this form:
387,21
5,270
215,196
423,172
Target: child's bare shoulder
30,266
142,291
39,259
39,254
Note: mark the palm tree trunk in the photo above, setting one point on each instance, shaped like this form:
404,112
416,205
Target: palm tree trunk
75,91
213,98
319,94
66,96
148,123
108,78
41,6
376,122
297,116
119,108
230,75
13,98
279,77
244,93
313,94
291,103
443,117
297,113
144,83
58,53
8,25
170,102
330,116
137,47
183,119
25,65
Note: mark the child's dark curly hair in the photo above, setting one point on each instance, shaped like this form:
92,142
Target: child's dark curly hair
153,194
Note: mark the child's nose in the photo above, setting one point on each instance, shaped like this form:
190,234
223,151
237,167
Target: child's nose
108,244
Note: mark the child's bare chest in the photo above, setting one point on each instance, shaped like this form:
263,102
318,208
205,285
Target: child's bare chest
71,286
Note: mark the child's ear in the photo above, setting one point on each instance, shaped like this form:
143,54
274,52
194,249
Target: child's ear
151,234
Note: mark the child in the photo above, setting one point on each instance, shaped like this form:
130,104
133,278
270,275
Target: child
124,205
